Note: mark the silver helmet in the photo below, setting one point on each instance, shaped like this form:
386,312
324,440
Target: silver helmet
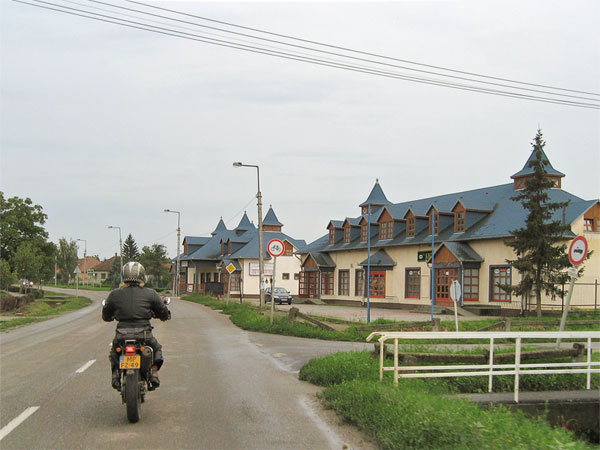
134,272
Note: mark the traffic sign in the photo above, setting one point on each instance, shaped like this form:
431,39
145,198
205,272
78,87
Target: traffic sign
455,290
275,247
578,250
90,272
230,268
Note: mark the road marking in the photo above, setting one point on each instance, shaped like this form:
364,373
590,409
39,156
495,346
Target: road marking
17,421
85,366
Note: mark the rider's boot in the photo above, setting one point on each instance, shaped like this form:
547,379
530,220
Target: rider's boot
116,379
154,377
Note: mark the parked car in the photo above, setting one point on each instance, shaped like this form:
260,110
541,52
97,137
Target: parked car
281,295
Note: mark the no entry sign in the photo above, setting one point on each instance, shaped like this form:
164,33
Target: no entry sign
578,250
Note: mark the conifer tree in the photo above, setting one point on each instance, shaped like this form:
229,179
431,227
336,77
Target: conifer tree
539,246
130,250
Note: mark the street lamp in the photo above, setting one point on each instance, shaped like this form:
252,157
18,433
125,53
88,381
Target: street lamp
84,257
178,252
120,251
261,260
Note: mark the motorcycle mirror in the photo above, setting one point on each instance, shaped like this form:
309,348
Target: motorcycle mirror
167,300
103,302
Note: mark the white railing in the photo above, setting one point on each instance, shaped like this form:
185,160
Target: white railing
490,370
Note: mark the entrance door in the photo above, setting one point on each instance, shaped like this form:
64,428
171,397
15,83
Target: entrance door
308,284
443,280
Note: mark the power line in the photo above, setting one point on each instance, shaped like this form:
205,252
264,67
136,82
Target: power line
358,51
303,58
429,72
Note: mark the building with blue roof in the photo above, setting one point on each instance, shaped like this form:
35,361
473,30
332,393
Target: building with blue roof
227,260
465,231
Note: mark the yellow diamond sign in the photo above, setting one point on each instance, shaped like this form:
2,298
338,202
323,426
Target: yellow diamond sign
230,268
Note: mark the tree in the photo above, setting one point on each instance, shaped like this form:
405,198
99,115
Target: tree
20,221
28,261
7,277
154,259
130,250
114,276
540,258
66,259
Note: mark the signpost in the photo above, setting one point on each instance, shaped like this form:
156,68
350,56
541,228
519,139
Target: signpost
455,292
577,254
77,271
276,248
230,269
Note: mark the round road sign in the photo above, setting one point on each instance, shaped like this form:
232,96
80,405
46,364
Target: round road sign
275,247
578,250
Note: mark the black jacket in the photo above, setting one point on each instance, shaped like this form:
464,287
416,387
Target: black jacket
134,306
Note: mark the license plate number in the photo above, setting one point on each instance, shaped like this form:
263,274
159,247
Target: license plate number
130,362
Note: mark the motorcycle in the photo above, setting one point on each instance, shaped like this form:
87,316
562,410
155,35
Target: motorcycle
135,364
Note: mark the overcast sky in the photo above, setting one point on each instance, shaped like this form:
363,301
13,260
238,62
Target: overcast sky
106,125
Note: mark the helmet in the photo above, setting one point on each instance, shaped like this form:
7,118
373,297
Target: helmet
134,272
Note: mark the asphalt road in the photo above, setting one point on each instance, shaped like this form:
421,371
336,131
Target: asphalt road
222,388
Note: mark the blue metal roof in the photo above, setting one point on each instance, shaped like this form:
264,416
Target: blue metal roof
271,218
376,197
528,169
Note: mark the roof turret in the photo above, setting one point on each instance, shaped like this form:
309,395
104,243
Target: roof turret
376,197
220,227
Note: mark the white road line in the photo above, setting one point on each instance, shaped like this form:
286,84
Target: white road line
85,366
17,421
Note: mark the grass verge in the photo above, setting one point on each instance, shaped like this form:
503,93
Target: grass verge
43,309
418,414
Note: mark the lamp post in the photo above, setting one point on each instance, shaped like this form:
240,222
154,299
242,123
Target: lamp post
120,251
178,252
261,259
84,257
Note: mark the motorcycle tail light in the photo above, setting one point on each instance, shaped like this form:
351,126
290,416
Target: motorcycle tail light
130,350
118,349
142,349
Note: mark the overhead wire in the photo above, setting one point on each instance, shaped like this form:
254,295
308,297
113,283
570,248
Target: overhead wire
356,51
277,52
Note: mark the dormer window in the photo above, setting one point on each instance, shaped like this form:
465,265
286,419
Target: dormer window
459,221
386,230
331,236
364,233
347,235
410,226
365,210
222,248
591,219
434,219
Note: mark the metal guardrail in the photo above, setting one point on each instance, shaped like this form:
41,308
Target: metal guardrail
490,370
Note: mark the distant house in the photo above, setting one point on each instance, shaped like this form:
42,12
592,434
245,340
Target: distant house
467,231
205,260
102,270
86,264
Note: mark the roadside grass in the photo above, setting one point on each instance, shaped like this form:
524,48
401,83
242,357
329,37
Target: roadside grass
419,413
83,287
43,309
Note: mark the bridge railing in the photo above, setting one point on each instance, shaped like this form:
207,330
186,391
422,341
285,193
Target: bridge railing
490,369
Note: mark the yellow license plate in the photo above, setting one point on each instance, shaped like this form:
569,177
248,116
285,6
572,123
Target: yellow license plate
130,362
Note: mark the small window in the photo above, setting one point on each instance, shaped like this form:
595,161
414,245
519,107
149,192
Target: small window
285,276
410,227
359,282
363,233
588,225
344,282
434,219
296,276
347,234
459,222
326,283
289,249
386,230
235,281
413,283
331,236
471,285
500,276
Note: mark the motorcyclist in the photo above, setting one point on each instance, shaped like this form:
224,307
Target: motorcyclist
133,306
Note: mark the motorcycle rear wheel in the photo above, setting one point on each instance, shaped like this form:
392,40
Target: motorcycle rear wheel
133,395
